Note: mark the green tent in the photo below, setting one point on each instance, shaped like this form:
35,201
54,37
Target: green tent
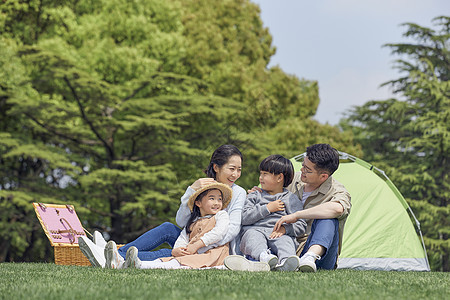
379,233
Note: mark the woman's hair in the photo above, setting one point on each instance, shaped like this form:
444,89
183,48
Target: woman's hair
277,164
196,210
220,157
325,157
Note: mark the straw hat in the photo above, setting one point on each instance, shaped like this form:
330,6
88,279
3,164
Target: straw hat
225,189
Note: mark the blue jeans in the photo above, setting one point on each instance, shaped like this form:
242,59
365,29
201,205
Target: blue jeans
164,233
324,232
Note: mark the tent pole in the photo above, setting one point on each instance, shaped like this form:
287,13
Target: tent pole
421,236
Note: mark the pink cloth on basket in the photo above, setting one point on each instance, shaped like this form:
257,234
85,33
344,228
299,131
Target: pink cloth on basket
61,222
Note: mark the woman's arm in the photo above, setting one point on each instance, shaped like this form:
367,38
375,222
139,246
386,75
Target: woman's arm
182,240
184,212
220,229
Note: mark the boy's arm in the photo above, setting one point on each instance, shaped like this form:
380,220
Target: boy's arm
253,209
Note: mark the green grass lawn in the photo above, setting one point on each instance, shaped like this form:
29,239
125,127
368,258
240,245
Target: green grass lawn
49,281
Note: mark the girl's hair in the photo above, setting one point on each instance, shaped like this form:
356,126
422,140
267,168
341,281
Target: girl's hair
277,164
196,210
220,157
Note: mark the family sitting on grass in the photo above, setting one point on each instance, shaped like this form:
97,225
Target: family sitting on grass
293,222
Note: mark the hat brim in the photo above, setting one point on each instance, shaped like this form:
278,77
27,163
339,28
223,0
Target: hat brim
227,193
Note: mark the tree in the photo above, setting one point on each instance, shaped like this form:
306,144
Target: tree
115,106
104,122
410,138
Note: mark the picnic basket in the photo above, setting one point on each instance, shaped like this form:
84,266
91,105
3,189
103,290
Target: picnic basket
62,227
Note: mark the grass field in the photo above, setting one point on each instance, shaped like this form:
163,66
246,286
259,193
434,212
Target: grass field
49,281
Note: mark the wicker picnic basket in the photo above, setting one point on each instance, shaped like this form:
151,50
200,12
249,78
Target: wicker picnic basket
62,227
70,255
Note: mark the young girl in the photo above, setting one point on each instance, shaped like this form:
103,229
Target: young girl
207,225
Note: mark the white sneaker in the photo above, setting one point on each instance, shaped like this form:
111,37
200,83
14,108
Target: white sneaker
240,263
99,240
113,258
290,264
132,260
269,258
92,252
308,262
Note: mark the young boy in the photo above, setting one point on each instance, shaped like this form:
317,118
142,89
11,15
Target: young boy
274,249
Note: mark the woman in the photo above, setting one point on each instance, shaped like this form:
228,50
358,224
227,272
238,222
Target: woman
225,167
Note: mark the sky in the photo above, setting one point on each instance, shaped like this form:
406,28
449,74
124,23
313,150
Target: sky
339,44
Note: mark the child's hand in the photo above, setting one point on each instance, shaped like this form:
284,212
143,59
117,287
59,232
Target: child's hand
181,251
276,205
193,248
277,233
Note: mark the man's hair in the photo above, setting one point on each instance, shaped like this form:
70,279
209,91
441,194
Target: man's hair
277,164
325,157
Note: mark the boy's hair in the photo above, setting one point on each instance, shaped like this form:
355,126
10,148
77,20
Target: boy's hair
325,157
277,164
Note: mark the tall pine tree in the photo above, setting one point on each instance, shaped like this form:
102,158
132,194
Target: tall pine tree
410,138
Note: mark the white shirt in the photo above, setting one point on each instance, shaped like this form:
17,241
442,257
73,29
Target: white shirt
212,236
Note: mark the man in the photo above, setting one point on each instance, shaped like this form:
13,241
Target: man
326,205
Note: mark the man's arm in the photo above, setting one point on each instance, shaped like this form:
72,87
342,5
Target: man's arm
327,210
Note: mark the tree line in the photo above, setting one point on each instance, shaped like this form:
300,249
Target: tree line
115,107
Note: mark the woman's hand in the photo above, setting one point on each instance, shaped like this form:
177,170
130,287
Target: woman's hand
276,205
181,251
201,182
254,189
